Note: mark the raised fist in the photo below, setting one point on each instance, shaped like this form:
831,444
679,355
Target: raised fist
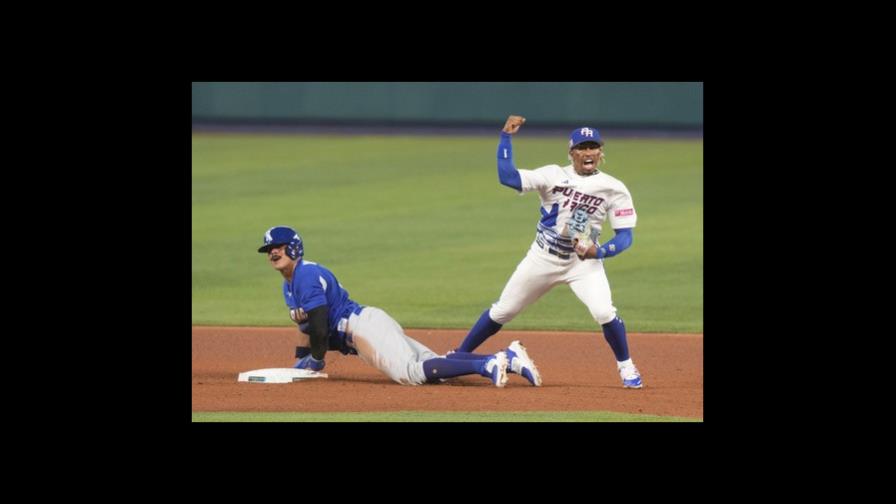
513,124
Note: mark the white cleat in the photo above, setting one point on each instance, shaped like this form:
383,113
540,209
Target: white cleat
497,368
522,364
631,378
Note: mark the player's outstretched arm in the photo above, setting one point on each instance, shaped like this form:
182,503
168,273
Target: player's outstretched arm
507,173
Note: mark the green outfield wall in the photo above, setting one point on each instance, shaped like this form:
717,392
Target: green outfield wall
676,105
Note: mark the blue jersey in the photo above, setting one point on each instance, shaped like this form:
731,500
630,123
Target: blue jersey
314,286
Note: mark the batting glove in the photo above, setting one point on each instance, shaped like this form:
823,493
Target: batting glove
309,362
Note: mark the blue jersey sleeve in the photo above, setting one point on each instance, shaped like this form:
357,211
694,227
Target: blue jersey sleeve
288,297
620,242
507,173
312,289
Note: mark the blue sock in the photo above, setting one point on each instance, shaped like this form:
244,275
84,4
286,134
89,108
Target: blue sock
480,332
614,333
468,356
448,368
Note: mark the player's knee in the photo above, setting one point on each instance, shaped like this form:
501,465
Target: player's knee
604,315
501,314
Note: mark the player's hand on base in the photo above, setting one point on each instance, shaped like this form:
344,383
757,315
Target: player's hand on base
513,124
309,362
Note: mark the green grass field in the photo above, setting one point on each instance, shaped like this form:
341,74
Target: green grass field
437,416
420,227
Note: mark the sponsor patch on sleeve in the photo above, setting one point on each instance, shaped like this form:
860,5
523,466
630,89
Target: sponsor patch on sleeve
625,212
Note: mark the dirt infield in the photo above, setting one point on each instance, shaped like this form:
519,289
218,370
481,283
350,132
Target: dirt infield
578,368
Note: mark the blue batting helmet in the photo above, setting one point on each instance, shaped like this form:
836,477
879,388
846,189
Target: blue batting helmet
282,235
583,135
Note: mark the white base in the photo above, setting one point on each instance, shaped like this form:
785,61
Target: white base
279,375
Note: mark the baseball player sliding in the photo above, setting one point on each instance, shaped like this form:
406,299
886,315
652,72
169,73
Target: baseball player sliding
575,201
332,321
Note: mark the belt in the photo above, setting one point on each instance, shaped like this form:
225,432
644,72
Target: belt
550,250
342,326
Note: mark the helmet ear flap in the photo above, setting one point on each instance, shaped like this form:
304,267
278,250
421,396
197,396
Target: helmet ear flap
294,249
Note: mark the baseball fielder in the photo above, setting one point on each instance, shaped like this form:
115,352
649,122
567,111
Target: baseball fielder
575,201
332,321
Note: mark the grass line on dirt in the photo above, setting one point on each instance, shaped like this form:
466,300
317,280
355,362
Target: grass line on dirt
433,416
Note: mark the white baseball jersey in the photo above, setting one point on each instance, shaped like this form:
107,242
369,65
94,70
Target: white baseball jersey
602,195
551,259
